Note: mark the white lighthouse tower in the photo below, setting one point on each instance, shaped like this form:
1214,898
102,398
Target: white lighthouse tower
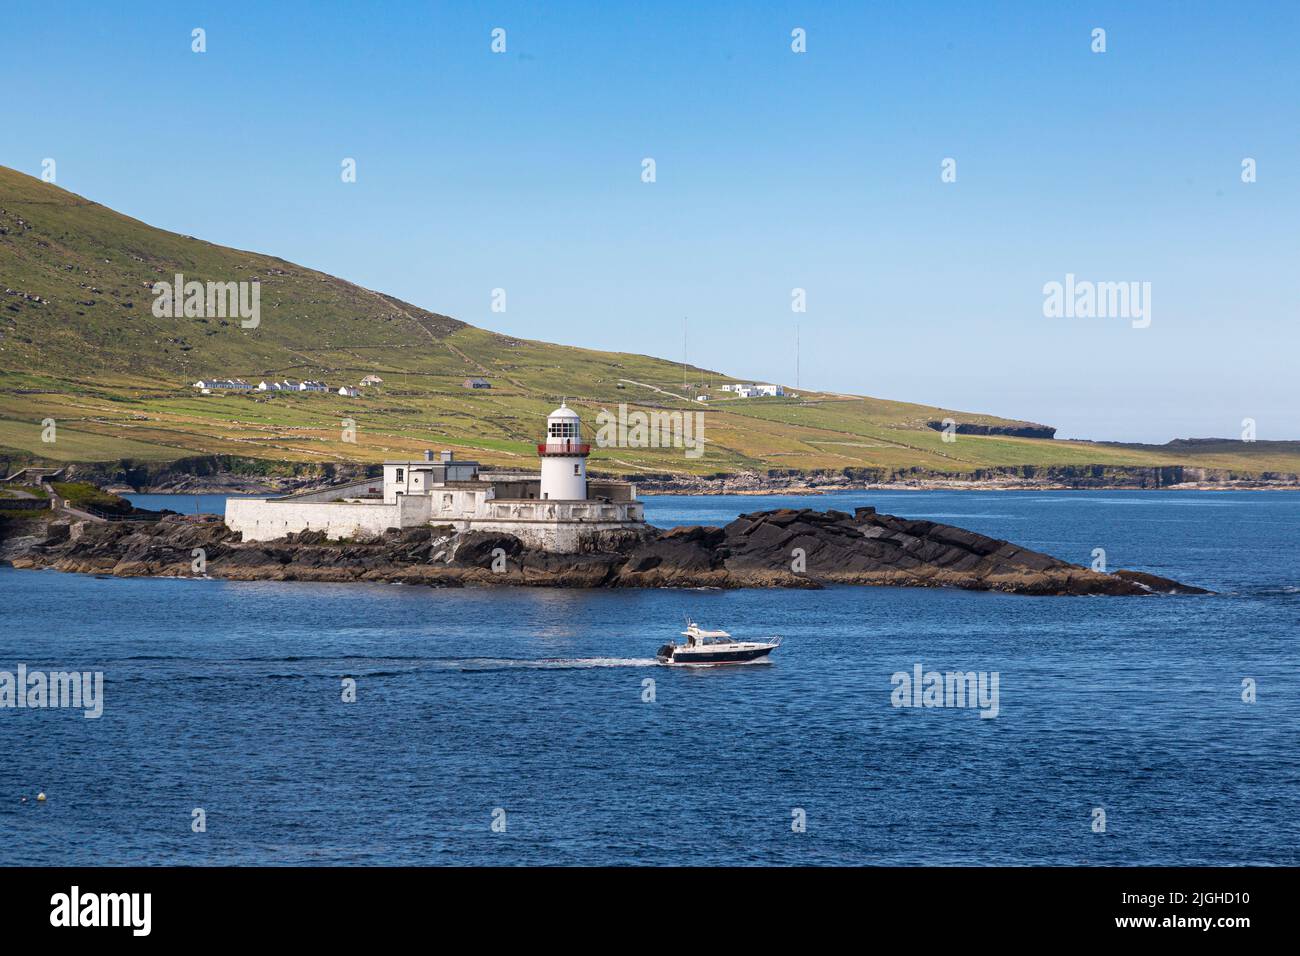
564,457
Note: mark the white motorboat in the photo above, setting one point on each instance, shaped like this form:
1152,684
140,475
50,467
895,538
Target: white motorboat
715,647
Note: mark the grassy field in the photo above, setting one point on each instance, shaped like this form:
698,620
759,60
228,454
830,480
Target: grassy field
79,345
81,494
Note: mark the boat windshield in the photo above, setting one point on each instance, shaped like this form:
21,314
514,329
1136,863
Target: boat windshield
703,635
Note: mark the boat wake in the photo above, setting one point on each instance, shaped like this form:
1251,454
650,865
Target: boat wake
1290,590
357,666
488,666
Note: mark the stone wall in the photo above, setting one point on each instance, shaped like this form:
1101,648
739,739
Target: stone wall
24,504
454,504
369,487
563,537
613,490
522,488
566,527
508,509
259,519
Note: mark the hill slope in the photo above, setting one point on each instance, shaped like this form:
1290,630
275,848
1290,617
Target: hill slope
79,344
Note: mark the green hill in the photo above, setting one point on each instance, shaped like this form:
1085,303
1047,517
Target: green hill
79,344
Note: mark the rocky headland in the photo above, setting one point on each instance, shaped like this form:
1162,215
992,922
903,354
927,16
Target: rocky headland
1028,430
782,548
1006,478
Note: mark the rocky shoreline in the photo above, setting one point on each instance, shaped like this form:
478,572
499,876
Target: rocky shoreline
781,548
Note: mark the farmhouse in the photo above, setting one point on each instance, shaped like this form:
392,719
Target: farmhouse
372,380
476,383
557,510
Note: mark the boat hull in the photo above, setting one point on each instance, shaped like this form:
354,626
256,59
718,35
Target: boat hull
743,656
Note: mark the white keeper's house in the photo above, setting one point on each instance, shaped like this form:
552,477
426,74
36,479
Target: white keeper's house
558,510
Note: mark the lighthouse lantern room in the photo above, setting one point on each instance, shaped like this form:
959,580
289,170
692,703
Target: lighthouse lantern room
564,457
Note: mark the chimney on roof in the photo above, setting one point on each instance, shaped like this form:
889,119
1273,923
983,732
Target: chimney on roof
428,454
447,455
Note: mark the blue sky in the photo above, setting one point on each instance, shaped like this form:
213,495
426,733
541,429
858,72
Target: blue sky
775,170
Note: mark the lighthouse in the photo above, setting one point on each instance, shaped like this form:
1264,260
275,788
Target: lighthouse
564,457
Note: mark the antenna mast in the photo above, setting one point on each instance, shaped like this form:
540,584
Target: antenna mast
685,379
796,353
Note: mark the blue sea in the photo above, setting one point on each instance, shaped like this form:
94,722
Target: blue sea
543,712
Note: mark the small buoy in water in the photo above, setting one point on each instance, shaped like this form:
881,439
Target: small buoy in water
24,800
40,797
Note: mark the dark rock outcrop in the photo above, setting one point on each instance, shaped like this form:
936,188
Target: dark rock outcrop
783,548
868,548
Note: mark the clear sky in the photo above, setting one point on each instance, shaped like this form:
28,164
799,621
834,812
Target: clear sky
775,170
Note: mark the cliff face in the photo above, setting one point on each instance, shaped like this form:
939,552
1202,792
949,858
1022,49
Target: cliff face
1009,477
202,474
1016,431
234,474
783,548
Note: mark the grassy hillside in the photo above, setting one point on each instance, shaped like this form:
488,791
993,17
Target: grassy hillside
79,344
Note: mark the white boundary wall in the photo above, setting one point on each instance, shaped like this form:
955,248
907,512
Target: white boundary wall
260,519
559,526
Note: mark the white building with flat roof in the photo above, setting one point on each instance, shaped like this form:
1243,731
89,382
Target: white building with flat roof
753,391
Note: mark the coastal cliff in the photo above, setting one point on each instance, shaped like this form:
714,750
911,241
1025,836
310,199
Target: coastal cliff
1004,478
781,548
230,474
1016,431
